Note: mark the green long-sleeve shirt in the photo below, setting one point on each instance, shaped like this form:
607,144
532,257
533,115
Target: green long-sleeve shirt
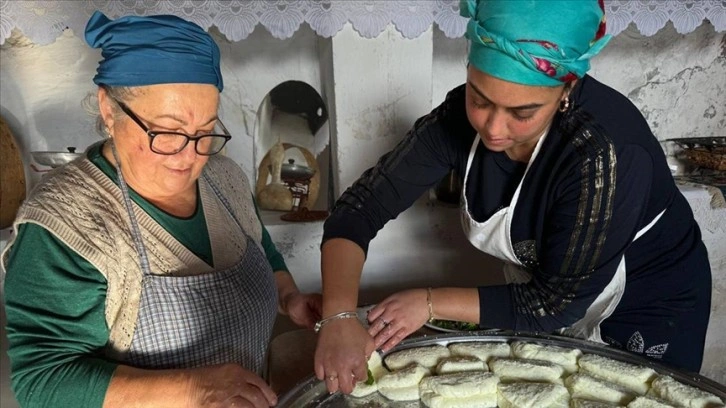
55,306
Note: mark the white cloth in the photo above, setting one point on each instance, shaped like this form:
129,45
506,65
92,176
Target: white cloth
43,21
493,235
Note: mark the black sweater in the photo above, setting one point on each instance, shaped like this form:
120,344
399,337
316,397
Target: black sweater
599,178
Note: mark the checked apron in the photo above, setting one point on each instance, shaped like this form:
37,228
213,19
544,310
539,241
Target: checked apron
190,321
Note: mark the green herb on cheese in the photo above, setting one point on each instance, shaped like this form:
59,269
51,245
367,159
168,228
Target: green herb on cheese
370,379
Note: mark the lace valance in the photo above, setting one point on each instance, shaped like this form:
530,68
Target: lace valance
43,21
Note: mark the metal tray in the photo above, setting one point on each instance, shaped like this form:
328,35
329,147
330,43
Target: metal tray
312,392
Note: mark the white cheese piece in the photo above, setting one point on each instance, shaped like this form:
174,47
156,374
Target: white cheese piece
583,403
459,364
362,389
480,349
633,377
402,385
682,395
463,389
649,402
428,357
585,386
533,395
460,385
433,400
566,357
400,394
375,365
511,369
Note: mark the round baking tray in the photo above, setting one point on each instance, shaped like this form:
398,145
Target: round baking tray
312,392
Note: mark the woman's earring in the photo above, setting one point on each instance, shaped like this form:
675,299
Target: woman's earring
564,104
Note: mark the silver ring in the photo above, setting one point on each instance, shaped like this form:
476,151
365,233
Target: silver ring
332,377
385,323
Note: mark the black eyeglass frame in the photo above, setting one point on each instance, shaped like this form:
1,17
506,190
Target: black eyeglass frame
152,134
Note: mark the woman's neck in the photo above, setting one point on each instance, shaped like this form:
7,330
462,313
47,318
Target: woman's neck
182,205
522,152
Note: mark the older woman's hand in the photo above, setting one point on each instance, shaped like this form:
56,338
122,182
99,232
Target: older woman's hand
397,316
229,385
304,309
342,354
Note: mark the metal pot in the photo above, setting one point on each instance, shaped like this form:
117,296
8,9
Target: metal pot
295,172
55,159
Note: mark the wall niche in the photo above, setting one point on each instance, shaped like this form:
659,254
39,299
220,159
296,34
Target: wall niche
292,154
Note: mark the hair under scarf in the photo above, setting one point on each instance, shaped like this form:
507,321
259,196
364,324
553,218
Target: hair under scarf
152,50
534,42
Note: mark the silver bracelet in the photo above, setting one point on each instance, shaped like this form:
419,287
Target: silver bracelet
342,315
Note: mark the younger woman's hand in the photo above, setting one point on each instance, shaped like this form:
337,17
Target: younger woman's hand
397,316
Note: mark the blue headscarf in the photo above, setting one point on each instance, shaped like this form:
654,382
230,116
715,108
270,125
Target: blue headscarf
534,42
152,50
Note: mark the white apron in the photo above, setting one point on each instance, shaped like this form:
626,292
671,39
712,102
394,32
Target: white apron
494,237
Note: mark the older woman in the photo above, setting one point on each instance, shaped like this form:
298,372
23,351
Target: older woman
141,274
564,182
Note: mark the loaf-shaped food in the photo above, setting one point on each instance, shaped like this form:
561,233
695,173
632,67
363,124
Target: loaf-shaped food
427,356
566,357
463,389
402,385
481,350
515,370
682,395
376,371
585,403
532,395
459,364
649,402
630,376
585,386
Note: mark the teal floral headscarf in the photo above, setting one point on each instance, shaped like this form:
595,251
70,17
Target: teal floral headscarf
534,42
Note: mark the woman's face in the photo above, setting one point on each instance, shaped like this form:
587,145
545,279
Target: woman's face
509,117
185,108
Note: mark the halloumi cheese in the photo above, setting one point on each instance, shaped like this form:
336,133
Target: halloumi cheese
457,364
433,400
566,357
375,365
649,402
428,357
463,389
400,394
682,395
584,403
633,377
459,385
532,395
512,370
480,349
585,386
402,385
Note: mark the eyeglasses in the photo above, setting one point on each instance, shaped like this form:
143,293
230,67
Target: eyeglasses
169,143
